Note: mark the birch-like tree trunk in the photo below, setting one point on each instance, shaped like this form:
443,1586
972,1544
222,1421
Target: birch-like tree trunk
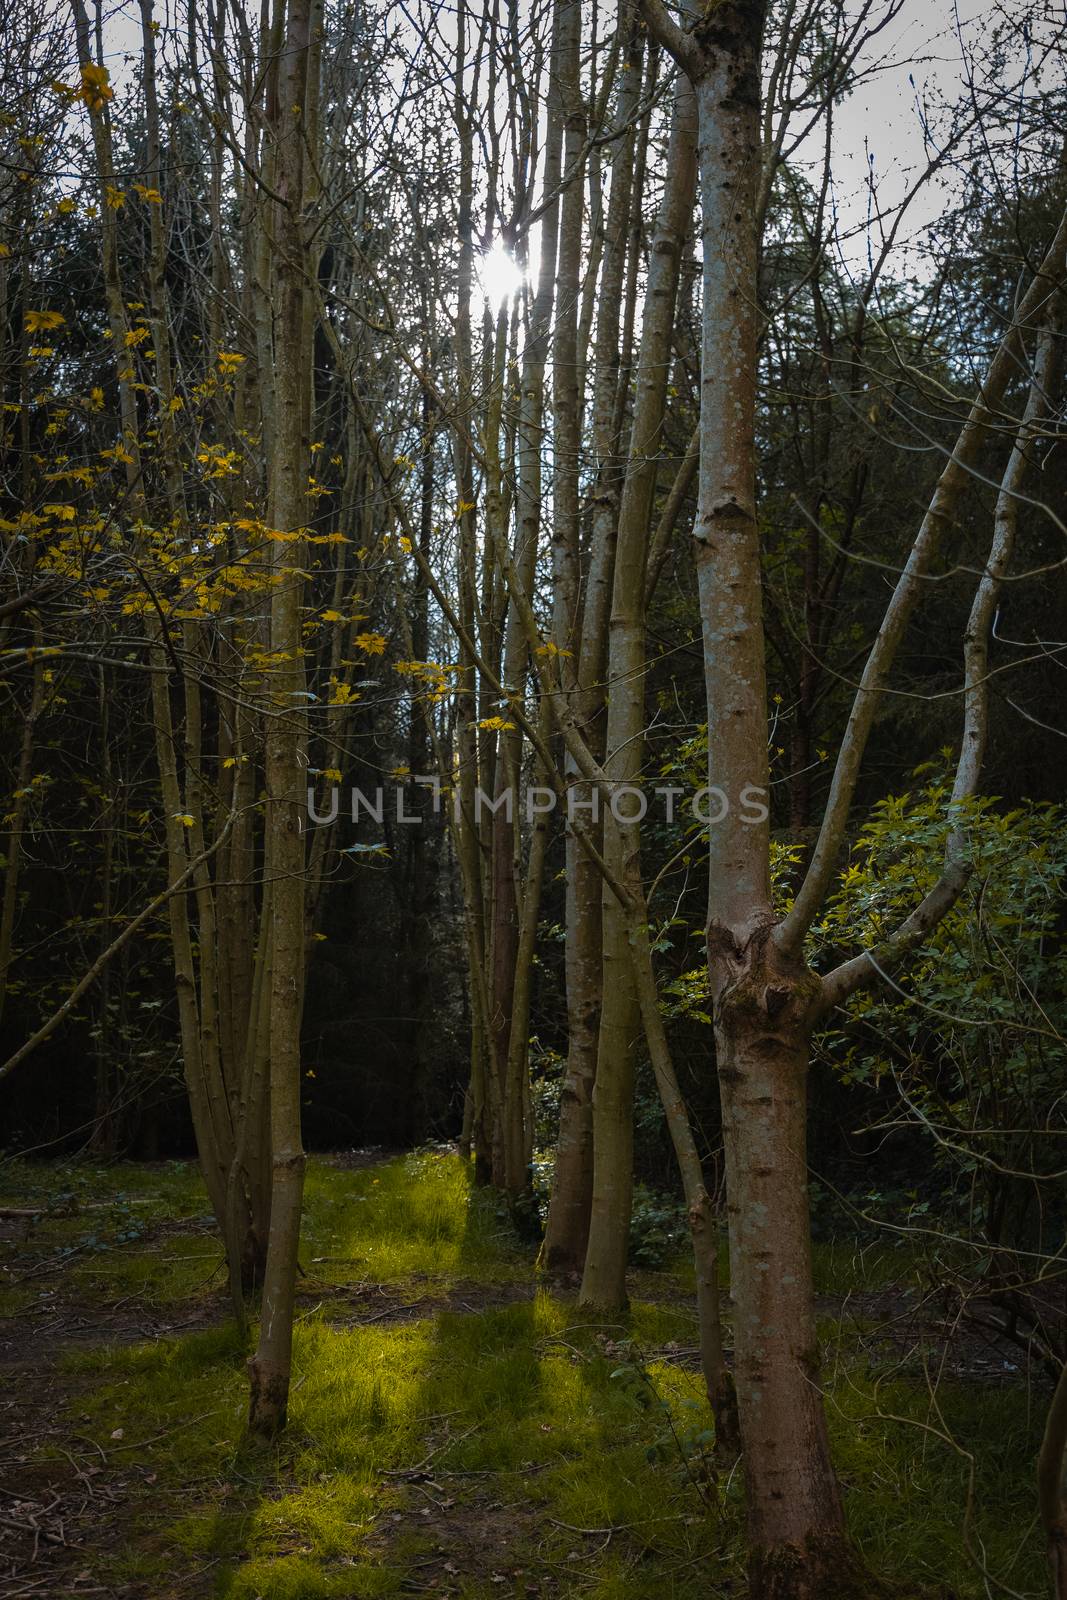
765,1003
567,1226
767,1000
269,1368
604,1278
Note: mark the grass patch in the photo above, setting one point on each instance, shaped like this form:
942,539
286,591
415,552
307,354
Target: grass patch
119,1230
517,1405
522,1448
521,1408
928,1472
415,1218
147,1231
844,1265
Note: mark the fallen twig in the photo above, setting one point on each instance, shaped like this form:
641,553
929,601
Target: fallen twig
417,1471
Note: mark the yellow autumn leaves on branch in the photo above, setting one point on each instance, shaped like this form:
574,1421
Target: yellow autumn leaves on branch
43,321
96,88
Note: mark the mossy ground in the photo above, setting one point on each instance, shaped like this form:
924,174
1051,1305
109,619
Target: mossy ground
452,1430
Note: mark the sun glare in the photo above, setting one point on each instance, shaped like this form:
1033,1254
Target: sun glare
500,276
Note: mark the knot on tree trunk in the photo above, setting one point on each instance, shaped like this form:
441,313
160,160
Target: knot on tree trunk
759,987
724,510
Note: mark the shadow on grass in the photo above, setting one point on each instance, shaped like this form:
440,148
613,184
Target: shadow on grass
460,1448
494,1452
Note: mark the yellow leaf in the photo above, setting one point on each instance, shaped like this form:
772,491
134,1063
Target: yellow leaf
95,88
341,694
38,321
372,643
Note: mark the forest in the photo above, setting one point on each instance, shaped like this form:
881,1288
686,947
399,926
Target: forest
533,928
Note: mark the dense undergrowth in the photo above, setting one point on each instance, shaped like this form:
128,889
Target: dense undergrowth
453,1434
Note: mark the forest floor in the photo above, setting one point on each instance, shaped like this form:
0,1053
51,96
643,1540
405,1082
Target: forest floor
457,1427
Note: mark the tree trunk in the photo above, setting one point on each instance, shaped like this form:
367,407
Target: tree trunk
17,824
518,1132
269,1368
795,1517
703,1233
486,1090
567,1226
604,1279
765,1004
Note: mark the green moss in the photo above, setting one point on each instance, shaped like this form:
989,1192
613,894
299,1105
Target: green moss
419,1217
146,1232
300,1578
521,1424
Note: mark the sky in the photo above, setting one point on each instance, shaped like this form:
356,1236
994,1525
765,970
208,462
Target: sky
924,57
919,59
